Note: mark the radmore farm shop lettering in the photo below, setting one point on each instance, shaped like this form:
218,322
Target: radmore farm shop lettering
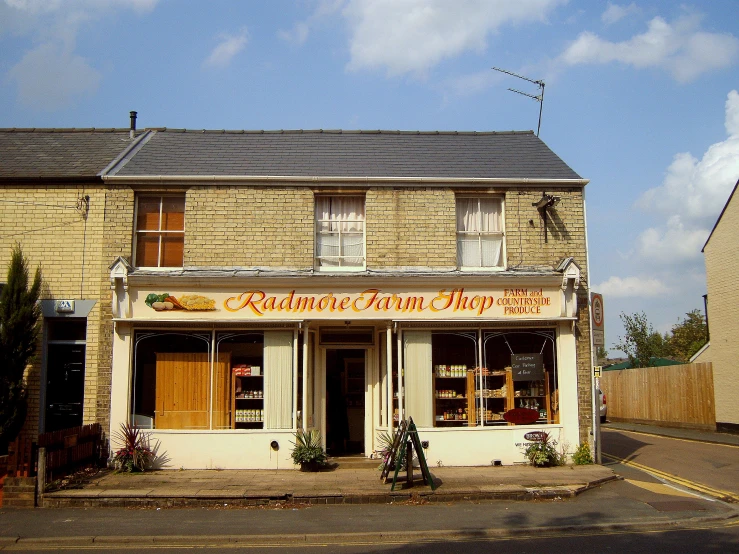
513,302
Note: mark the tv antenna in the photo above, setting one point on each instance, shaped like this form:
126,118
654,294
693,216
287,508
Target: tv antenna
538,97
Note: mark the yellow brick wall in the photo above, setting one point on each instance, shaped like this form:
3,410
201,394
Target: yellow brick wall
55,235
249,226
411,227
722,270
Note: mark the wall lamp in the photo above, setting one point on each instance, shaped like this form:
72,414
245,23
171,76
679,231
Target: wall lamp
546,201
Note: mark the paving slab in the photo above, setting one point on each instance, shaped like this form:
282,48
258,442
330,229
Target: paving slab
339,485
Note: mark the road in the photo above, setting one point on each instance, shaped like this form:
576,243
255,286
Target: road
713,468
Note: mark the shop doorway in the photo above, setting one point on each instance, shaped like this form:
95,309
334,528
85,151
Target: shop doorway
345,401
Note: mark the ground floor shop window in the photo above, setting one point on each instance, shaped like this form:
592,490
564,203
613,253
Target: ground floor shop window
479,376
206,380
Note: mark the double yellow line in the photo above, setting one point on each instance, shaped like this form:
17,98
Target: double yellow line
726,496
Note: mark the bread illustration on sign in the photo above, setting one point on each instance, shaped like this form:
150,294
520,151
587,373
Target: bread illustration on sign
188,302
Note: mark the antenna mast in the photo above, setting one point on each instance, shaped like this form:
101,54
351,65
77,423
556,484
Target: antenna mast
539,98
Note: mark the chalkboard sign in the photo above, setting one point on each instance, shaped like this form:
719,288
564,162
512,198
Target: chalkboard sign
527,367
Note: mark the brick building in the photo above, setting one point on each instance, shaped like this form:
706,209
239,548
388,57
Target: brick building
721,255
245,284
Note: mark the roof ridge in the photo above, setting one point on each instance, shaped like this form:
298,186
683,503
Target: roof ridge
64,130
333,131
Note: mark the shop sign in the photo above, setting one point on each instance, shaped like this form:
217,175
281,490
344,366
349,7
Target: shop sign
536,436
521,416
367,303
527,367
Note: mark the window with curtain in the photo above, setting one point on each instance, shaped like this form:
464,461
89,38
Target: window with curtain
480,232
340,232
160,231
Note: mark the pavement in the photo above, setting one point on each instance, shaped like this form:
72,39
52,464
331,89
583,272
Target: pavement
345,484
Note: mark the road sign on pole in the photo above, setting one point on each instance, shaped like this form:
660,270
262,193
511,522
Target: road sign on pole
596,306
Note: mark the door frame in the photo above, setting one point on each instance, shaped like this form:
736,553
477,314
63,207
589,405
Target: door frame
371,389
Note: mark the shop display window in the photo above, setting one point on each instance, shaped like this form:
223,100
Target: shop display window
171,380
518,370
179,383
244,394
454,356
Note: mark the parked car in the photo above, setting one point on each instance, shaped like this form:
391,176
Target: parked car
602,406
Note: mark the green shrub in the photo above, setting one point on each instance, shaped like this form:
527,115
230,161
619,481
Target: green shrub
582,455
544,453
307,447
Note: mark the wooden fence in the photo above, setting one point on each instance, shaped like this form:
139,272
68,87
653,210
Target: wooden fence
672,396
69,450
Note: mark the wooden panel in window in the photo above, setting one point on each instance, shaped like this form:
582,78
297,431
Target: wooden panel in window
182,391
173,247
147,250
147,218
222,391
173,213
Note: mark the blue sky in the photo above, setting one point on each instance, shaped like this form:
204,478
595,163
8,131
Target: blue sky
640,96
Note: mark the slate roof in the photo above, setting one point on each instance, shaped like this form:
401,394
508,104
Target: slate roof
59,153
409,154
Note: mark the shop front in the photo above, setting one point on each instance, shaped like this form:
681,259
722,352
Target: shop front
221,371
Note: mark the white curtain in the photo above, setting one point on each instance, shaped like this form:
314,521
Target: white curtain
418,377
479,228
340,230
278,379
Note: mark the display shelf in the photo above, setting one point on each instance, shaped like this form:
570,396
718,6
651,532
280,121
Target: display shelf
247,398
451,395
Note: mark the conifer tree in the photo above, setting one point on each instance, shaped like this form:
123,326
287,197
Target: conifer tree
20,323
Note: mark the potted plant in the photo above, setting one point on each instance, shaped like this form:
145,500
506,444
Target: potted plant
134,453
307,451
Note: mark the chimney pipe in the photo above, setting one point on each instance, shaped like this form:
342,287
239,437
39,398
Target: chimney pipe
132,133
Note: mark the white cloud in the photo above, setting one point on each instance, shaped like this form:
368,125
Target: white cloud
225,51
696,190
301,30
680,48
615,13
51,75
412,36
632,287
691,197
49,78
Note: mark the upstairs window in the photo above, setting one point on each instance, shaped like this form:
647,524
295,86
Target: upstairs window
480,232
160,231
340,232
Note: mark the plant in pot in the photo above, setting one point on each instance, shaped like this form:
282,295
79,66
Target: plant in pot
307,451
134,453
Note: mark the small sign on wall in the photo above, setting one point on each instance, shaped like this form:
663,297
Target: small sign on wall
527,367
64,306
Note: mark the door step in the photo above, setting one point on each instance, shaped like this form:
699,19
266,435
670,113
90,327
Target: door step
353,462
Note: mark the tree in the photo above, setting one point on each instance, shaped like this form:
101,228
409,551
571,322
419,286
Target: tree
688,336
20,323
641,342
601,354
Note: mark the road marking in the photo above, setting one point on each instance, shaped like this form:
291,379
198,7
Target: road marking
614,429
705,489
661,488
